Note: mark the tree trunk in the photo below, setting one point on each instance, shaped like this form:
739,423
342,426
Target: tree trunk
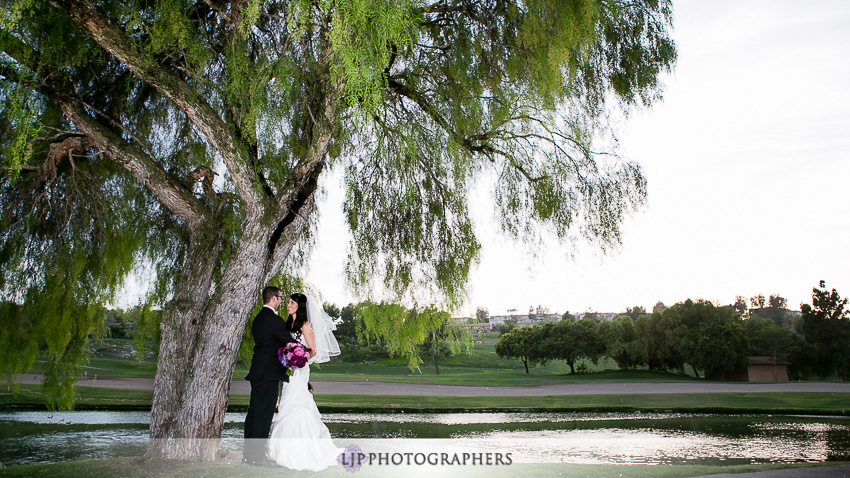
572,367
199,349
203,324
180,328
436,367
525,362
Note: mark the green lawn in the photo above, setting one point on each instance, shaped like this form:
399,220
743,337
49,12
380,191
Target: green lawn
113,358
30,396
88,398
113,367
481,367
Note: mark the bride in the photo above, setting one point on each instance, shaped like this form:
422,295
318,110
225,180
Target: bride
299,440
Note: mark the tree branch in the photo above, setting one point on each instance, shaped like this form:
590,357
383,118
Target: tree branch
302,184
478,143
221,13
173,195
293,226
112,39
466,142
21,167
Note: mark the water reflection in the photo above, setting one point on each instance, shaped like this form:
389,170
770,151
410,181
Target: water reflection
651,447
583,438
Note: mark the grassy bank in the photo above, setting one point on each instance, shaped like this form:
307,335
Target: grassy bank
729,403
31,397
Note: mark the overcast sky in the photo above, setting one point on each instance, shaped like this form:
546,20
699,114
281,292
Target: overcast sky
747,163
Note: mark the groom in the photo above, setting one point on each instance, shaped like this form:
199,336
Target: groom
270,333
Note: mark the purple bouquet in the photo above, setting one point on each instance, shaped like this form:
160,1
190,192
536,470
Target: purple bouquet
293,355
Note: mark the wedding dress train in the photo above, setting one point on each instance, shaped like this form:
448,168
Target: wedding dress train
299,439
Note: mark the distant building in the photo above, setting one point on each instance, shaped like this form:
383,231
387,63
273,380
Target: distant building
601,315
534,319
763,369
523,320
497,320
470,324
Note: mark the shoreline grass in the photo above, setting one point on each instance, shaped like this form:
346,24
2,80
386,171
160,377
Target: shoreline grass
30,397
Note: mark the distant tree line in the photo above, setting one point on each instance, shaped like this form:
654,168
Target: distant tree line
358,325
714,341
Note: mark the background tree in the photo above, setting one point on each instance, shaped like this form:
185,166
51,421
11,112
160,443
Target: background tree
757,301
776,310
826,329
768,339
346,326
776,301
518,344
658,307
635,312
714,339
740,305
411,328
346,329
482,315
191,136
507,325
445,341
574,341
718,347
773,308
621,342
661,334
332,310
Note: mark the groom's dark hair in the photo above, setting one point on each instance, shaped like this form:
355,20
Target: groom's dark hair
269,293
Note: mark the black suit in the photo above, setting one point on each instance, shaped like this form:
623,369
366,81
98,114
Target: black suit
270,333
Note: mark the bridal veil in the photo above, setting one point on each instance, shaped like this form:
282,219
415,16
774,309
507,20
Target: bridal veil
323,327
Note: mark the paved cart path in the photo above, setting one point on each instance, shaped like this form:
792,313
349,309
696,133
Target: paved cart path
417,389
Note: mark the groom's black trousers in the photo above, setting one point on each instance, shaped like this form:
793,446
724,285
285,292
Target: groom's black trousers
258,421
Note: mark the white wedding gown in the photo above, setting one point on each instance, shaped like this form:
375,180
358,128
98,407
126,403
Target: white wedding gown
299,440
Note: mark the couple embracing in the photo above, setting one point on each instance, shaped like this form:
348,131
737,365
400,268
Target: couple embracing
298,440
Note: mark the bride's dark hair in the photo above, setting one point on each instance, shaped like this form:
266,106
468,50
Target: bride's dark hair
295,323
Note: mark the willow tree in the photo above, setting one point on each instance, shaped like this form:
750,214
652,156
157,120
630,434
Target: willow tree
189,137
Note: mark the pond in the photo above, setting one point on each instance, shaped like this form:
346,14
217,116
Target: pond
581,438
